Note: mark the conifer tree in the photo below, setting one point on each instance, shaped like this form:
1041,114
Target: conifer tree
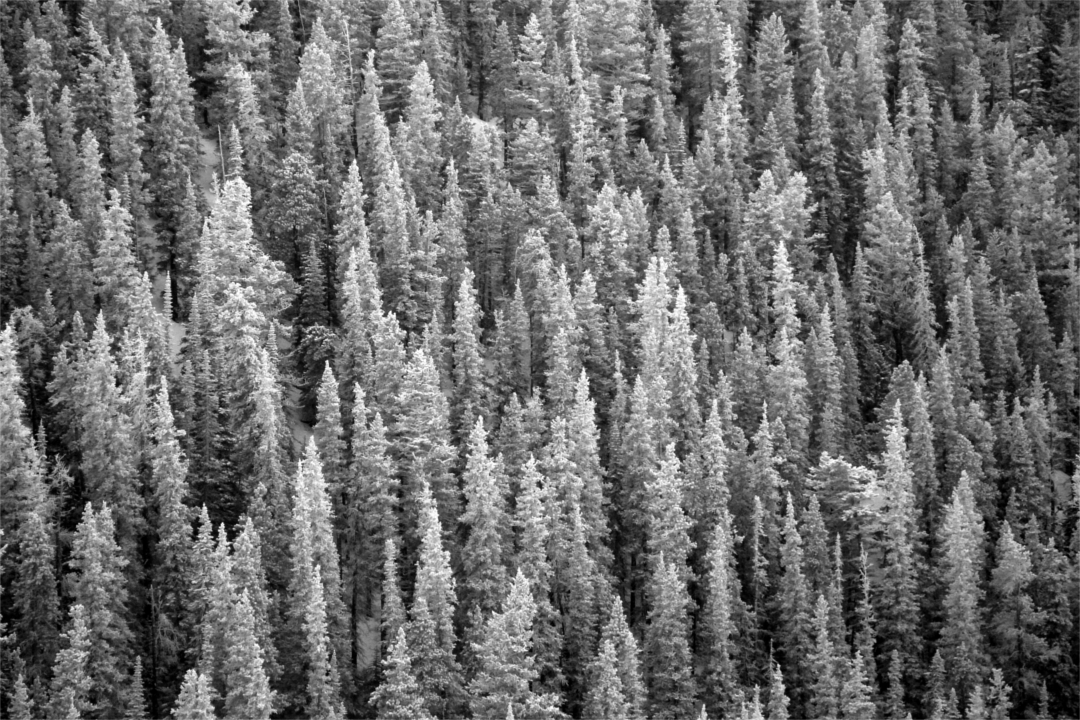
856,693
194,702
1013,625
667,651
825,685
434,580
961,637
398,696
319,610
721,613
470,393
248,689
668,526
21,705
605,697
249,576
171,132
323,690
421,439
99,587
172,553
793,601
896,606
134,696
330,440
483,554
778,700
72,684
35,596
507,667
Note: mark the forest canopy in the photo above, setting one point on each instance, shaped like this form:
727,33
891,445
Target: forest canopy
549,359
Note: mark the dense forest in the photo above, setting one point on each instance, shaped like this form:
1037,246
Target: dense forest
628,359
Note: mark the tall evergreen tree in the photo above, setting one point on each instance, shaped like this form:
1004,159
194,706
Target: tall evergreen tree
961,641
100,588
194,702
72,684
667,650
507,668
398,697
483,554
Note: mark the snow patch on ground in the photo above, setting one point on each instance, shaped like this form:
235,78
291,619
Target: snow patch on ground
209,167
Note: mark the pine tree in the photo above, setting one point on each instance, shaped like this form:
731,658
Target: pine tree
319,610
396,49
434,580
961,637
778,699
470,393
248,694
99,586
194,702
605,697
229,253
421,439
482,556
418,137
172,553
896,605
825,686
793,601
507,667
1013,625
398,697
249,576
72,684
721,614
34,592
329,438
323,691
21,705
171,132
856,692
667,651
134,695
667,524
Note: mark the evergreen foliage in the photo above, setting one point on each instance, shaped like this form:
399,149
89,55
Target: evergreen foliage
425,359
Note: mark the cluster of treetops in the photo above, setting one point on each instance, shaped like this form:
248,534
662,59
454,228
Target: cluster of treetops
597,358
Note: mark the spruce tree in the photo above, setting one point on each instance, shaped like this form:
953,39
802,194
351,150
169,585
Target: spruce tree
34,592
330,439
896,606
172,552
100,588
721,614
825,685
194,702
793,601
961,641
398,696
248,693
507,667
72,683
420,435
856,692
171,132
605,697
1013,625
470,392
482,556
667,650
